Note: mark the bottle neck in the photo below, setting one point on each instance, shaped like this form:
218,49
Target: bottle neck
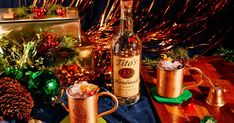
126,22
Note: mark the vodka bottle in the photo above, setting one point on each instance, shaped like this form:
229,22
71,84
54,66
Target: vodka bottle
126,58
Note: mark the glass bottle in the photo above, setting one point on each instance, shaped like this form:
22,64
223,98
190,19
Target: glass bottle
126,58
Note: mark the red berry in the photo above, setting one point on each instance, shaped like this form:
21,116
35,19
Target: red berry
131,39
38,12
58,10
63,13
191,105
35,9
14,16
91,93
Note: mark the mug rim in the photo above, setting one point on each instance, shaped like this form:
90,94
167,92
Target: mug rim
80,97
160,67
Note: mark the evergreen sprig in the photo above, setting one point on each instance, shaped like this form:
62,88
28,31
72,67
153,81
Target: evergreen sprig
208,119
227,54
68,41
151,62
178,54
20,48
22,12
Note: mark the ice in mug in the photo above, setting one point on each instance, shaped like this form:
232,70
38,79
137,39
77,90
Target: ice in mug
83,103
170,78
83,90
170,65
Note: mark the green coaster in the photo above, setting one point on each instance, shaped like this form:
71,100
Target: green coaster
67,120
178,100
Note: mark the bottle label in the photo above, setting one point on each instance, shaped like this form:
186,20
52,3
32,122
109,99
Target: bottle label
126,76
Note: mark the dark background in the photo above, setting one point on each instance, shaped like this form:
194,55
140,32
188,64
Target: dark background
220,24
218,29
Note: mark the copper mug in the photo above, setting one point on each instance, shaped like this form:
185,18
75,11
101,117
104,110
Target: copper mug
85,110
170,82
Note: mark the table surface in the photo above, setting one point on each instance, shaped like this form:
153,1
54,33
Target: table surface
196,108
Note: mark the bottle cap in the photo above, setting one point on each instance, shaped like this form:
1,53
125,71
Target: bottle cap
126,3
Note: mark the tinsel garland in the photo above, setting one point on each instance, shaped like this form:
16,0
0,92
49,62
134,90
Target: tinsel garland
198,26
165,25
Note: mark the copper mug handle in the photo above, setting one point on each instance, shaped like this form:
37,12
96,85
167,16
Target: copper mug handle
199,83
99,95
113,108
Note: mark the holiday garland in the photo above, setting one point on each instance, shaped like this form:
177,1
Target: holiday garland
36,48
43,62
28,54
40,12
35,58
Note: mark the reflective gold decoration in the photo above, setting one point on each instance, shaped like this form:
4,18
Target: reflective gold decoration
216,97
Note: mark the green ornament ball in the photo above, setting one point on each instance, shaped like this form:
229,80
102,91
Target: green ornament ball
43,85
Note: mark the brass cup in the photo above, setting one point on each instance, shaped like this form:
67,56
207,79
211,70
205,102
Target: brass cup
216,97
85,110
170,82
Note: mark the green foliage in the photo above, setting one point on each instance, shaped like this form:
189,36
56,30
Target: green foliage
178,54
14,72
4,41
68,41
151,62
52,8
227,54
208,119
66,56
29,52
3,63
21,12
27,12
19,48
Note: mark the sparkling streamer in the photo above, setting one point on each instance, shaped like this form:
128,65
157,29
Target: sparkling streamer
167,24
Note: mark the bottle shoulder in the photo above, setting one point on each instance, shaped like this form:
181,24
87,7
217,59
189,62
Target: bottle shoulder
126,38
126,44
127,33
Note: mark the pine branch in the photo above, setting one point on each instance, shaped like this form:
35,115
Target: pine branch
227,54
178,54
151,62
68,41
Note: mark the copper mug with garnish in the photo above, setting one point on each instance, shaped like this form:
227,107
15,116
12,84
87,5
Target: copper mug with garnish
170,81
84,109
